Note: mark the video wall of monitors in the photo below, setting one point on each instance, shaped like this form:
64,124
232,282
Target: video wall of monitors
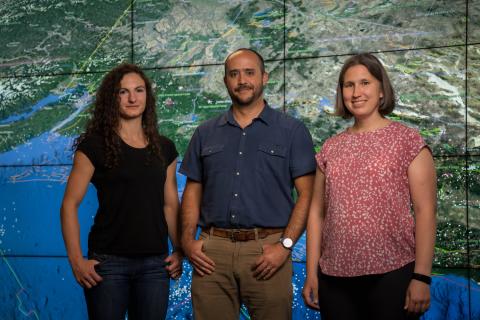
54,54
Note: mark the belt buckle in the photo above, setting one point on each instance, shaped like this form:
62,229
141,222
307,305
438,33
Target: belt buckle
233,235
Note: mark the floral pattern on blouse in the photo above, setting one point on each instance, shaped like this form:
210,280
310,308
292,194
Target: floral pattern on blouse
369,225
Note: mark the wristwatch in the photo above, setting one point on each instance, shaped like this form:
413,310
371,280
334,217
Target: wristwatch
287,243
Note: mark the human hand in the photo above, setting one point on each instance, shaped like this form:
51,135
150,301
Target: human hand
174,264
201,262
417,299
84,272
310,292
273,257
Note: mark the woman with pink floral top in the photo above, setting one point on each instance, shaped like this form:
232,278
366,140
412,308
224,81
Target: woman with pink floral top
368,255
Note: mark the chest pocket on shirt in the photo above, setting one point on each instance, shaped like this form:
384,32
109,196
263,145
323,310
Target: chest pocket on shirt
213,157
271,157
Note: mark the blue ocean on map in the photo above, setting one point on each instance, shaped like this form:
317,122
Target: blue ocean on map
47,149
40,104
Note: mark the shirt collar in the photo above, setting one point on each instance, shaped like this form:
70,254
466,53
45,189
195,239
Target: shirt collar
266,116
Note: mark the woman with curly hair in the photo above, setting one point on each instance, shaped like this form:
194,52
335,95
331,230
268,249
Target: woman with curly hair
369,255
133,169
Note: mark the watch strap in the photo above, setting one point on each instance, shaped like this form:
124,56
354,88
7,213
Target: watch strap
421,277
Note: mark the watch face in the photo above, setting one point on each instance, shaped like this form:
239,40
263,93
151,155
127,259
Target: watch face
287,242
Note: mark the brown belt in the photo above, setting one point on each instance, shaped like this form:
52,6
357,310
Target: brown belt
242,234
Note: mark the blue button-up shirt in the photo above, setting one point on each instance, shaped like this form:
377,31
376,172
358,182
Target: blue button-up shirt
248,174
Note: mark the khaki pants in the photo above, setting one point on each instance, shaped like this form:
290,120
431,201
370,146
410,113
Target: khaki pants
220,294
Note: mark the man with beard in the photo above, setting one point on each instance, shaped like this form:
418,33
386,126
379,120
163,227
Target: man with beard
242,167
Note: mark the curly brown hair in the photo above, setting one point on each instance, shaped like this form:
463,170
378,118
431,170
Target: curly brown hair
105,116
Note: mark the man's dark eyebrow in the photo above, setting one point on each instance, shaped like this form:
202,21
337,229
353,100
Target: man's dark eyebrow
245,69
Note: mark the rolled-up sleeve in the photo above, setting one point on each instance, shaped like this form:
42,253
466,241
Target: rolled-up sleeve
302,156
192,165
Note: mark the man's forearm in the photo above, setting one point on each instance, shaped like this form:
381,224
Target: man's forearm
298,218
190,212
189,224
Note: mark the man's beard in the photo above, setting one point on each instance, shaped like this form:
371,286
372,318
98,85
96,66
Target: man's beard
245,102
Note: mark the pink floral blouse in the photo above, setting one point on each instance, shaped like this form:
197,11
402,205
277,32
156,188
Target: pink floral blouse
369,227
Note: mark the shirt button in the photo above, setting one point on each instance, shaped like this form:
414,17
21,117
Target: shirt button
240,152
271,151
233,216
238,173
243,133
236,194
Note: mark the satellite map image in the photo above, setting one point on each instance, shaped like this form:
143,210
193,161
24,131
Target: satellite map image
54,54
